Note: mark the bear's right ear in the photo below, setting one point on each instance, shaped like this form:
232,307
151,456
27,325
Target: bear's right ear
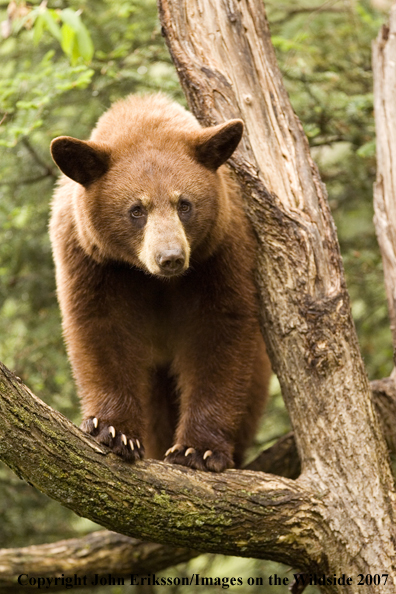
215,145
82,161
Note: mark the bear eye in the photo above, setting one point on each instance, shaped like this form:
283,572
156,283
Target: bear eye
184,206
136,212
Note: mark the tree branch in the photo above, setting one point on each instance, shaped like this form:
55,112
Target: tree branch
100,553
282,458
384,399
241,513
105,552
48,170
324,8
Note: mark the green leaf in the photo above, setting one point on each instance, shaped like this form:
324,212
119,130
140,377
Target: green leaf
84,42
75,51
367,150
82,45
38,28
68,39
50,17
71,18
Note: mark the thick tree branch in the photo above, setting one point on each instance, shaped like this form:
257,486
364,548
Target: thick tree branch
242,513
100,553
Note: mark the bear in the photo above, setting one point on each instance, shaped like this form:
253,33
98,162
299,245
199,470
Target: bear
155,267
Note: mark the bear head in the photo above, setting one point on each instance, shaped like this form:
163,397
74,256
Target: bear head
151,198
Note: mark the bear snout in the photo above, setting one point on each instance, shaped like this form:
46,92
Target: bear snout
171,261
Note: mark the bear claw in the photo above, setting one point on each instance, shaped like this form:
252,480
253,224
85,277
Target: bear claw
205,459
173,449
128,448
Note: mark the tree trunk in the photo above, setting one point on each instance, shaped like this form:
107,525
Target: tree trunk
282,458
384,57
224,57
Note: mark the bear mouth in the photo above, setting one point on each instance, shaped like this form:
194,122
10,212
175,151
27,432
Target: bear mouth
169,273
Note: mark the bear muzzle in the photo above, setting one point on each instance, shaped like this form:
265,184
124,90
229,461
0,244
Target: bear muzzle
171,262
165,249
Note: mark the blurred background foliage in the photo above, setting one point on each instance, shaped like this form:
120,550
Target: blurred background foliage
62,64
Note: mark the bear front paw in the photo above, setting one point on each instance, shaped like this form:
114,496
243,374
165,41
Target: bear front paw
128,448
200,459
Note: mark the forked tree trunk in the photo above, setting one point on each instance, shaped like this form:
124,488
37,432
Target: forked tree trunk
226,63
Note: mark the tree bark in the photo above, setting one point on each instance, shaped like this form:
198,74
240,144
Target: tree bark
226,64
384,56
100,553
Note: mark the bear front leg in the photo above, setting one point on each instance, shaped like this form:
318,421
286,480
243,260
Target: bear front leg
112,407
113,378
105,327
215,374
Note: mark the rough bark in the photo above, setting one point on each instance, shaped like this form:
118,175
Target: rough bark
226,64
384,56
100,553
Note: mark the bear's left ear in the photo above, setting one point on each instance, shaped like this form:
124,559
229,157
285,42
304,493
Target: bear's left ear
82,161
215,145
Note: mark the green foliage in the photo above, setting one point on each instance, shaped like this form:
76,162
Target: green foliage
32,83
73,35
26,96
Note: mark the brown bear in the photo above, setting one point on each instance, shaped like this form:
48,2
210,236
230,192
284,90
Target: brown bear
155,276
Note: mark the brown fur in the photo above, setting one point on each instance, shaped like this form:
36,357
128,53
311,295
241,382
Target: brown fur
164,355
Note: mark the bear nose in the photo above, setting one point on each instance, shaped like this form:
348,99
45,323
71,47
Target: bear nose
171,261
